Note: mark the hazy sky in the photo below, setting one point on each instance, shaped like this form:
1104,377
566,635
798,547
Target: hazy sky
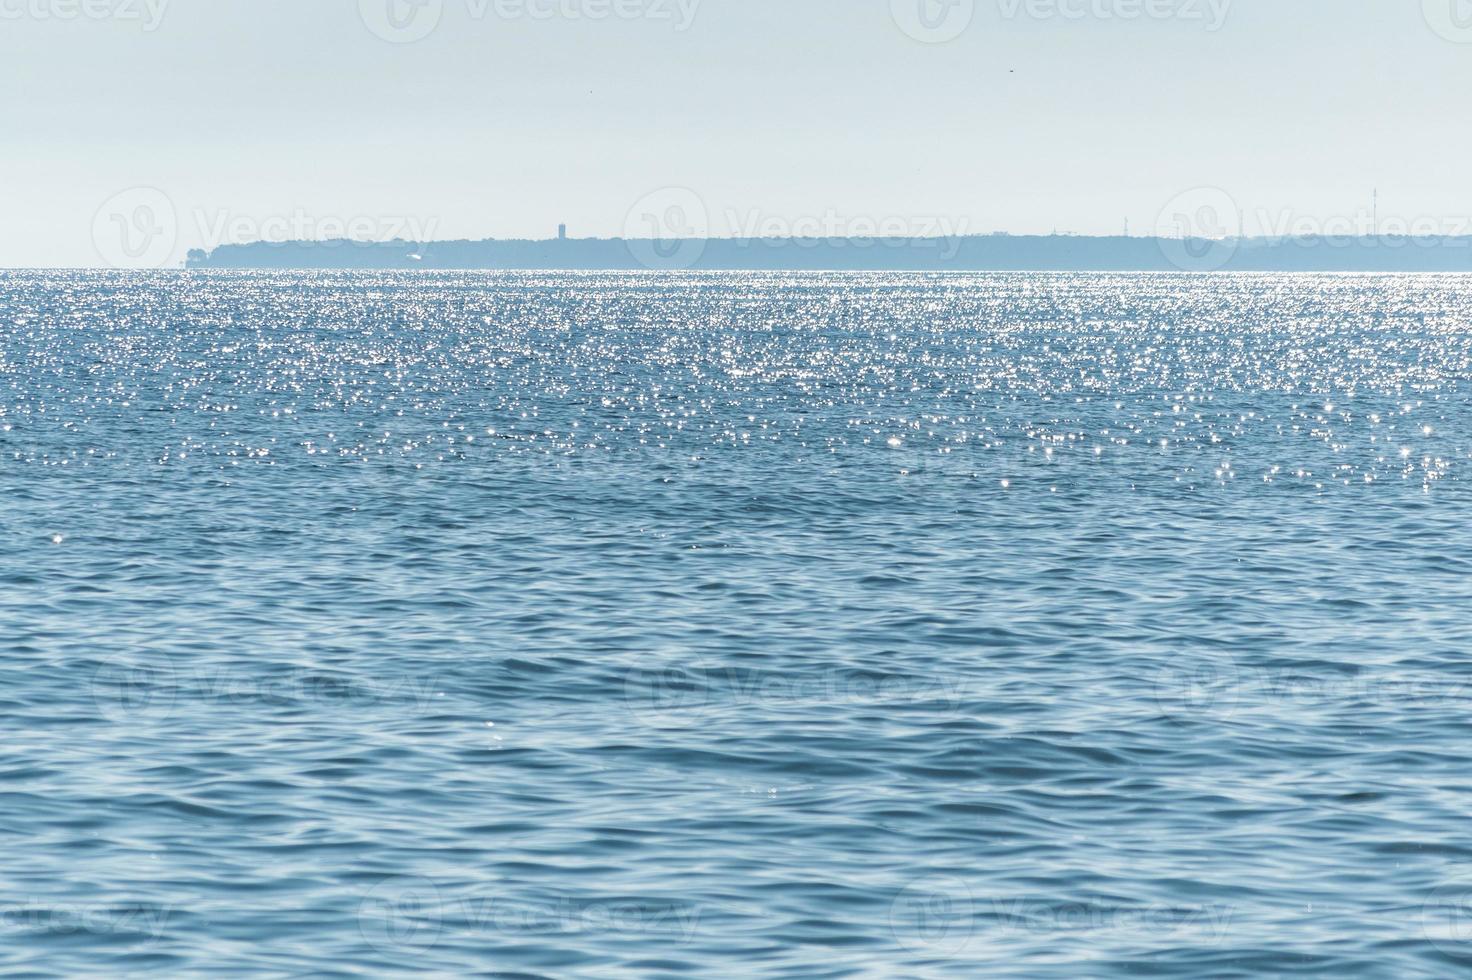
280,118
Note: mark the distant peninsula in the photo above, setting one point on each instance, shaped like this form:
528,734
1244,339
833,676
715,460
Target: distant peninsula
980,253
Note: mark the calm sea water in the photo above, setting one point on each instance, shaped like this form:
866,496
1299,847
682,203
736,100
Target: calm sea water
735,625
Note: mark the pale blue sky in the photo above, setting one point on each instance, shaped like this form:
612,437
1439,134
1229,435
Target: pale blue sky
293,114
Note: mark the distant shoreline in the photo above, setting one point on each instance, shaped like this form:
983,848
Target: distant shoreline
989,253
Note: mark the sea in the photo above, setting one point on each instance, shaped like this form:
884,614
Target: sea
672,625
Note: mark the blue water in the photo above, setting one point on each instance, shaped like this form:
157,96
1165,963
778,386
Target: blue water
735,625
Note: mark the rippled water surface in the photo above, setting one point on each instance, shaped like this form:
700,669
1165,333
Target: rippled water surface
722,625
